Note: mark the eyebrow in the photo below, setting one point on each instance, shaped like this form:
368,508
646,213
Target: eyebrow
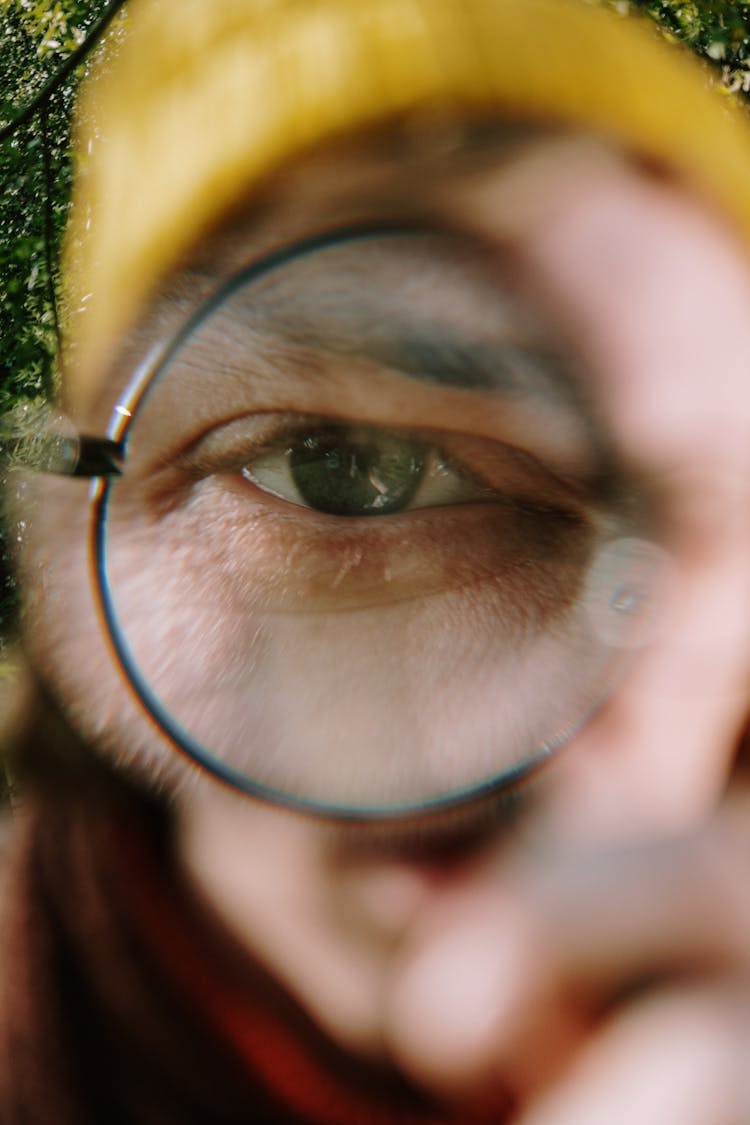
531,374
515,364
509,368
433,353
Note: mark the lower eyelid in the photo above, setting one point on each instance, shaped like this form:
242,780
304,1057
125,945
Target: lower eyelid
352,564
537,526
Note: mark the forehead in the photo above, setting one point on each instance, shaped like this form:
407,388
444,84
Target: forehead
433,171
421,171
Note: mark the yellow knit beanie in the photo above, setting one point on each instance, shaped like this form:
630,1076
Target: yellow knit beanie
206,97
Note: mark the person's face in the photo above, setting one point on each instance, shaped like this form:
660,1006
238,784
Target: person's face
619,273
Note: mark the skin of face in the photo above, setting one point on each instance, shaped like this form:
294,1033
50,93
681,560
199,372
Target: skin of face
397,938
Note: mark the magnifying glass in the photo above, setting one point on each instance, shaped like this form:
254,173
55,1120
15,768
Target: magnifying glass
368,554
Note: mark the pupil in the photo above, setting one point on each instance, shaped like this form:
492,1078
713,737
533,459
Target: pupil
356,471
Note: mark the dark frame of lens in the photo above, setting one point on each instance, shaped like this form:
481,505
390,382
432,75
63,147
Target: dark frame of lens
123,417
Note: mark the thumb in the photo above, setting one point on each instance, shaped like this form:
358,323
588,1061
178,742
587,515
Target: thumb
469,1011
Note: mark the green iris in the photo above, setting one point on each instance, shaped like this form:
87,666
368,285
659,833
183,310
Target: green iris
356,470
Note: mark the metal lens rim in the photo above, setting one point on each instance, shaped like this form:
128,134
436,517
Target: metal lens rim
121,422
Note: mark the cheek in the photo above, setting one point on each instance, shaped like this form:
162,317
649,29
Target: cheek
368,661
65,639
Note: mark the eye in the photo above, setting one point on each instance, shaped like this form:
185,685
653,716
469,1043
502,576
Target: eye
356,470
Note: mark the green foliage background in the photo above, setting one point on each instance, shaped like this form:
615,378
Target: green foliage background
717,29
36,37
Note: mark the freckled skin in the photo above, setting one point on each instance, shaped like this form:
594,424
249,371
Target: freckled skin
652,293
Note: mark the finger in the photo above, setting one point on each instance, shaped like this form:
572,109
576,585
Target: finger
507,981
679,1059
464,1008
606,920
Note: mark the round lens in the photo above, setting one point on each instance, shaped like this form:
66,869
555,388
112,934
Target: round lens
368,553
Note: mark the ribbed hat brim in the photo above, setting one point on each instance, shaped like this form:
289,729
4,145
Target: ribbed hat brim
206,99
